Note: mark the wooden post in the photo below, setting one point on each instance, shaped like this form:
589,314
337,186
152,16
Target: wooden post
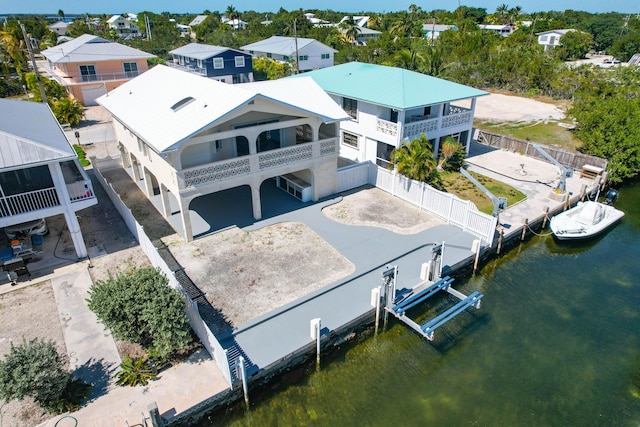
375,302
524,229
583,192
546,216
476,246
245,387
500,234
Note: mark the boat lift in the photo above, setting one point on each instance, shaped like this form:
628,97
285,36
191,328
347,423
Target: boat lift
565,172
399,307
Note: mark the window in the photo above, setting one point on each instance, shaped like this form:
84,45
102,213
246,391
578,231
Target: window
325,56
130,69
218,63
543,38
350,139
427,111
286,58
350,106
239,61
199,63
383,154
304,57
268,55
88,73
25,180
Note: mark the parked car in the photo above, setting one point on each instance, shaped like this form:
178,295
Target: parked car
30,228
610,62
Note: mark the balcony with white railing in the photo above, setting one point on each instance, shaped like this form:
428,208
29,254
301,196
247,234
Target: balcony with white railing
419,125
46,198
187,68
387,128
257,163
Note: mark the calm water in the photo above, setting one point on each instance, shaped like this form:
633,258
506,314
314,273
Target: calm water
554,344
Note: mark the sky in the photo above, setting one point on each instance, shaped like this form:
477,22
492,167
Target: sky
353,6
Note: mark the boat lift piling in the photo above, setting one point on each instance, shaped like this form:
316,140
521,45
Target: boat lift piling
399,308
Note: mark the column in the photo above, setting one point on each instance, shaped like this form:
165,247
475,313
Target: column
69,213
135,168
164,197
255,202
186,219
148,183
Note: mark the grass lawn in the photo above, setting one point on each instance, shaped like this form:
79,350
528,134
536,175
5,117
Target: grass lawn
542,133
457,184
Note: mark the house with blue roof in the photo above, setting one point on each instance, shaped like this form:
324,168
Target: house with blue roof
216,62
388,106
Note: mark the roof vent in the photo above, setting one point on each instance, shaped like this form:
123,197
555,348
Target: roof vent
178,105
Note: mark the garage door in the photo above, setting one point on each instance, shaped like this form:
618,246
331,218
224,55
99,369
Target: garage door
91,93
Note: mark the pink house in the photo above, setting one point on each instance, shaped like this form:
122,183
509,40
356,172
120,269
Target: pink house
90,66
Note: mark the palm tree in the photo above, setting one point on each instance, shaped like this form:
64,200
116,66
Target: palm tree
350,30
408,59
415,160
514,14
502,11
403,27
449,148
61,14
231,13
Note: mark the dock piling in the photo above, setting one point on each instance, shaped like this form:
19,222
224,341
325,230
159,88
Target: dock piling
375,302
245,387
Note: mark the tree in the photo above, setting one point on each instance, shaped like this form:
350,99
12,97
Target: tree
350,29
268,69
35,369
575,45
68,111
448,149
415,160
139,306
61,14
502,11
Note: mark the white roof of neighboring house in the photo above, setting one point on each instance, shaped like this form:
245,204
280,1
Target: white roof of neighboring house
437,27
202,51
282,45
361,21
561,32
89,48
365,30
114,18
41,141
495,27
59,24
148,112
198,20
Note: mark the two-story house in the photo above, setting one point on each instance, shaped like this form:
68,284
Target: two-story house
196,137
389,106
312,54
551,39
432,31
124,27
39,171
220,63
90,66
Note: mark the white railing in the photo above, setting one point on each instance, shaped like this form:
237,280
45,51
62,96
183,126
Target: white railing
387,128
80,190
187,68
246,165
27,202
456,119
201,329
455,211
414,129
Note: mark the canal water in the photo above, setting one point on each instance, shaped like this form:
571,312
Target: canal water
555,343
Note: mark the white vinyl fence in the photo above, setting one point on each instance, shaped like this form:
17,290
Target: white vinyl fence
455,211
201,329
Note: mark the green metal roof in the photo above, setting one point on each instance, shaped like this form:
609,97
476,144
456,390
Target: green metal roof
389,86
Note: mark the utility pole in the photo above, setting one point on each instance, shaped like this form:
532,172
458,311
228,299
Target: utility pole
33,62
295,36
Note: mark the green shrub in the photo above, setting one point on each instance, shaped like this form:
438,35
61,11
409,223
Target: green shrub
82,157
134,371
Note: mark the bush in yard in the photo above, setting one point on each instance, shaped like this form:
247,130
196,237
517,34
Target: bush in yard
134,371
35,369
139,306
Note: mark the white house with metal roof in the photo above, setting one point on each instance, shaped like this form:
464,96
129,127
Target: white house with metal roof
312,54
389,106
90,66
124,27
198,136
39,171
551,39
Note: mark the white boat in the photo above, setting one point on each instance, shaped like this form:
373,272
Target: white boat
585,220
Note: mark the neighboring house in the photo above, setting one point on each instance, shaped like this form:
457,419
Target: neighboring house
365,35
361,21
90,66
186,138
503,30
551,39
124,27
433,31
316,22
39,171
312,54
235,23
216,62
389,106
60,28
198,20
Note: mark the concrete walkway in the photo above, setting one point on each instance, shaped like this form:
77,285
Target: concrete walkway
95,359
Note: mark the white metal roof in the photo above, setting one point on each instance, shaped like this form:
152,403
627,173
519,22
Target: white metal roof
198,20
90,48
144,104
282,45
30,133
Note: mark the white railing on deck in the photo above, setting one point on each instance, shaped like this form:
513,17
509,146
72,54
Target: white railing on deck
414,129
456,119
246,165
27,202
387,128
